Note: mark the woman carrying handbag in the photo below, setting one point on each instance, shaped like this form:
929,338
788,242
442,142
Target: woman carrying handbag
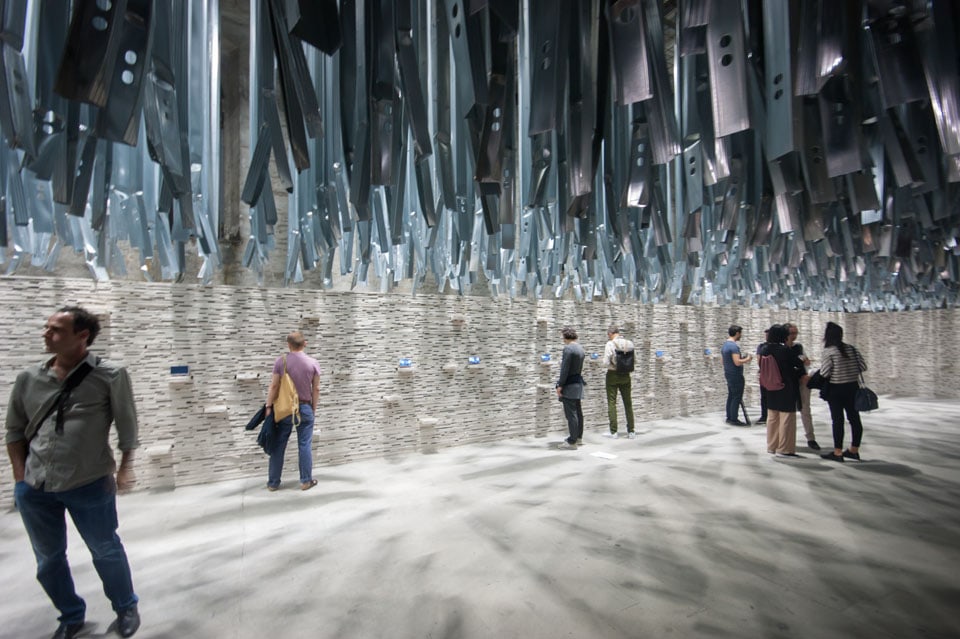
841,364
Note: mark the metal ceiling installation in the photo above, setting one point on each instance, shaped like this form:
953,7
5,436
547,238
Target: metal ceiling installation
792,157
110,112
801,155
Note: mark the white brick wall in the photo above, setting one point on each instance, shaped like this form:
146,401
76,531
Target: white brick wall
193,432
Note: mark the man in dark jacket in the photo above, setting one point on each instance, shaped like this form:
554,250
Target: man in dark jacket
570,387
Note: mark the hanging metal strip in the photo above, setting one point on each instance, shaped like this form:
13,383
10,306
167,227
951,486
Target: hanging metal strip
545,18
315,22
727,58
664,132
119,119
86,68
629,51
777,79
15,94
412,90
938,50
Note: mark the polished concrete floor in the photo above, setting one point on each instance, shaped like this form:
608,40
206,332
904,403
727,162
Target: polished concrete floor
690,530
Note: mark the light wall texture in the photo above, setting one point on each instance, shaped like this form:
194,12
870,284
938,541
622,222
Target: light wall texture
192,429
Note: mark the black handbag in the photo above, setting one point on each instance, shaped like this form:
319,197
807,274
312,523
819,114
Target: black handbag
866,399
816,380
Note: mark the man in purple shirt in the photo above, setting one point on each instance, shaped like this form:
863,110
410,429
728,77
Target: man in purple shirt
305,372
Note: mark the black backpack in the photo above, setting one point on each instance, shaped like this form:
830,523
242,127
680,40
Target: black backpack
624,359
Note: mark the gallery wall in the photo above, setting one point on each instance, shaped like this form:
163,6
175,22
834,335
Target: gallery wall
192,427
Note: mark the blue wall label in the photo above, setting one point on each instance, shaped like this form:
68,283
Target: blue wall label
474,359
179,370
545,357
405,362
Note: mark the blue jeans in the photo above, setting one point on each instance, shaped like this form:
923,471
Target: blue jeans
93,508
304,446
735,384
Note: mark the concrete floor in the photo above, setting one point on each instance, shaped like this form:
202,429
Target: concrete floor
691,530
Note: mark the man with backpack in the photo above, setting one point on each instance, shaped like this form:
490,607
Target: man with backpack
618,358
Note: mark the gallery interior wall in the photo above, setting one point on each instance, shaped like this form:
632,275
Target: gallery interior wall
192,428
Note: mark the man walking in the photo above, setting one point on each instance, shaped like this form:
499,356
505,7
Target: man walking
733,363
305,373
57,436
570,387
617,382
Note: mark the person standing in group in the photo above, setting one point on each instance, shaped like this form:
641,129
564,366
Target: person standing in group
733,362
618,382
58,439
842,364
805,417
570,385
782,402
763,392
305,373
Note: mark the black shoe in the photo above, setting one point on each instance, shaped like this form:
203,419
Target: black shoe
128,621
68,630
761,421
736,422
813,445
832,456
788,455
850,455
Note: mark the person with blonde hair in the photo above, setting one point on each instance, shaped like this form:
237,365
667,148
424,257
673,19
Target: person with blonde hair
305,373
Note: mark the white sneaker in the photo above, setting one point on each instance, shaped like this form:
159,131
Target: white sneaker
611,435
564,445
631,435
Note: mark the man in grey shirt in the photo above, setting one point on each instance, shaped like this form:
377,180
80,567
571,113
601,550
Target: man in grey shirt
57,435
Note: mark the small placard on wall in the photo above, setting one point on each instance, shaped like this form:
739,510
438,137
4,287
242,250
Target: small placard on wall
179,370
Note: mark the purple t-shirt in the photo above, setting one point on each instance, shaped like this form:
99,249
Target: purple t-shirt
302,368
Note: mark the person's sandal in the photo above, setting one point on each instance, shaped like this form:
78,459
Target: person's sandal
308,485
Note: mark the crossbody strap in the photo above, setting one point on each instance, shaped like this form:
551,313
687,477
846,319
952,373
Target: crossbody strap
58,401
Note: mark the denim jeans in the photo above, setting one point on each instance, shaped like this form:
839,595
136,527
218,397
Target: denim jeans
93,508
735,384
304,447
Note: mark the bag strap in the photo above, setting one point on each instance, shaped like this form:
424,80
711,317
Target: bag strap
296,408
58,401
